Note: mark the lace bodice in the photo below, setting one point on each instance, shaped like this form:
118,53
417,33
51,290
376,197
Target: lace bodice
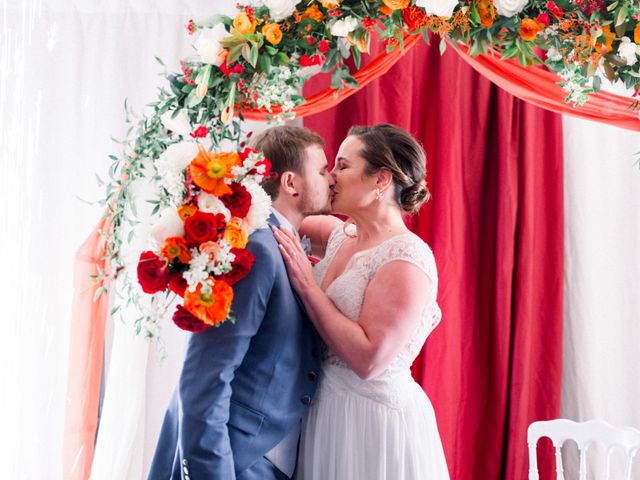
347,290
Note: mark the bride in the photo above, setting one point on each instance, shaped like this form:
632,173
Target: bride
372,299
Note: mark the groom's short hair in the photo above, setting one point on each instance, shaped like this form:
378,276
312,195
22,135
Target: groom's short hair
284,146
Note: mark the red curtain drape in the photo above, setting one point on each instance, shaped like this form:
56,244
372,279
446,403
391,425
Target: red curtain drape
495,225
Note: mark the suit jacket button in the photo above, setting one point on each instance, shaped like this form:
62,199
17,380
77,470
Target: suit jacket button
312,375
306,400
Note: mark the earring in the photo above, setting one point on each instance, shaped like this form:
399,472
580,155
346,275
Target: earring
378,194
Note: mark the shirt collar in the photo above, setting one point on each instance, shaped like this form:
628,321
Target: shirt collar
284,222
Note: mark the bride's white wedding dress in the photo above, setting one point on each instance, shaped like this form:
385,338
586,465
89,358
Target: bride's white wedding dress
383,428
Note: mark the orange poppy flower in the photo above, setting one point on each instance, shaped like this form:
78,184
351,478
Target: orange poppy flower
209,169
210,303
176,247
185,211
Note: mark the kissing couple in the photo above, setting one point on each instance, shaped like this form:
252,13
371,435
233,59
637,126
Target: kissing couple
313,381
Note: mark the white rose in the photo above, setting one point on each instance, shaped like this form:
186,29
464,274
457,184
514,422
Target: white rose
179,124
169,225
508,8
208,44
441,8
176,158
344,26
628,51
260,206
280,9
211,204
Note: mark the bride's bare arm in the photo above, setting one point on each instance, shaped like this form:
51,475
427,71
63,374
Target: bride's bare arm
318,228
393,303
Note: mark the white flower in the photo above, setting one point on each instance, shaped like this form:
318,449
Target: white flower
208,44
170,165
211,204
344,26
628,51
198,269
554,55
169,225
508,8
441,8
260,206
176,157
280,9
179,124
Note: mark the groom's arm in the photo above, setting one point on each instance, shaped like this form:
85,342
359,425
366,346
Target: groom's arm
211,360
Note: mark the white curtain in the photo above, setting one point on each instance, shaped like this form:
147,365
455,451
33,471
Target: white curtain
602,276
65,69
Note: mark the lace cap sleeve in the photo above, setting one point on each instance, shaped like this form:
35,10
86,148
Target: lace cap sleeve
412,249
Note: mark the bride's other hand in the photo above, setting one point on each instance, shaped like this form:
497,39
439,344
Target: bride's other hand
295,258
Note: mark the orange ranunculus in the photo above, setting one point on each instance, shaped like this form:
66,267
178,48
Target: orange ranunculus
244,24
605,41
235,235
487,11
176,247
385,10
396,4
529,29
185,211
330,4
210,303
314,13
209,169
272,33
636,34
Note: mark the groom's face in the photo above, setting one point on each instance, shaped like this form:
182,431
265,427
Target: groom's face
315,195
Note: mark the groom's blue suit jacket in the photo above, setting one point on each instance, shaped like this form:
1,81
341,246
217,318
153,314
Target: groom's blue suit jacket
243,386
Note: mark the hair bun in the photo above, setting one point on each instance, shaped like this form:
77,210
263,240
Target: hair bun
412,197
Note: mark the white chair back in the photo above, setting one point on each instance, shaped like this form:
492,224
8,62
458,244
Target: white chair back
584,434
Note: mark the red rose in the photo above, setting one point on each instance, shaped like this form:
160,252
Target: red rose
305,61
177,283
543,19
153,274
200,132
185,320
203,227
237,68
240,266
317,59
323,46
238,202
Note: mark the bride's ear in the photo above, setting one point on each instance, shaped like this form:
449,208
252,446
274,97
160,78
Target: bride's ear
384,178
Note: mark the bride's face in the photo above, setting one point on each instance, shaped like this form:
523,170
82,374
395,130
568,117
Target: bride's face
353,189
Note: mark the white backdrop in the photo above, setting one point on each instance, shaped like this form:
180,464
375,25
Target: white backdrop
65,69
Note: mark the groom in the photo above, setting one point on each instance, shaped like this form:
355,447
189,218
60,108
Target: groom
244,387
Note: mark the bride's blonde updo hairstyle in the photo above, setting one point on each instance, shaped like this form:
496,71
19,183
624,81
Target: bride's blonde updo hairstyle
391,147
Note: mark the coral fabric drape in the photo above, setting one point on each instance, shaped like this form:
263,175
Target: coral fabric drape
495,225
85,358
539,87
